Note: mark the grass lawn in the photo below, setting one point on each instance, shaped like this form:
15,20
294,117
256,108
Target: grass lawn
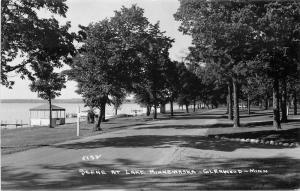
15,140
20,139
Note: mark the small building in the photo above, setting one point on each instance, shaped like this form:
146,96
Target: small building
39,116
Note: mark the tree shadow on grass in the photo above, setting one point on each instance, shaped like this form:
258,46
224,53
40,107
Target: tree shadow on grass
155,141
256,123
67,177
283,173
215,125
218,125
199,116
249,124
124,126
256,115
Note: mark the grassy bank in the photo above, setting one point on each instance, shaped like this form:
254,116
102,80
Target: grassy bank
20,139
15,140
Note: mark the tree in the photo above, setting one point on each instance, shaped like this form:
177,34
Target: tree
212,70
172,82
33,39
235,32
278,31
256,87
212,89
220,36
154,58
91,116
108,61
91,84
117,100
143,97
195,85
293,89
184,100
47,84
189,86
91,67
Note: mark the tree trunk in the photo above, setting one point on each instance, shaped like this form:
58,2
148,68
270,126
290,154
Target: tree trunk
171,108
284,102
276,112
148,110
295,102
155,105
103,112
216,105
50,114
187,108
116,111
236,118
266,103
229,102
162,108
248,105
155,112
194,105
97,126
91,117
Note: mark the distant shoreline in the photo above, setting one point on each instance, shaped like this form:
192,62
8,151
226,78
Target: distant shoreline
41,101
74,100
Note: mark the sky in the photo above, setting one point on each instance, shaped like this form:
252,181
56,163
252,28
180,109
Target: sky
84,12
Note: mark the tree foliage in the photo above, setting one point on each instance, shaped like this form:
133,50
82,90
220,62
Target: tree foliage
33,39
112,58
47,84
154,59
243,40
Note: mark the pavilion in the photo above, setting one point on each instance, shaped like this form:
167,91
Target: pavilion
39,116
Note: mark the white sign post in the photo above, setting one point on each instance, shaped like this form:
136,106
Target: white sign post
78,121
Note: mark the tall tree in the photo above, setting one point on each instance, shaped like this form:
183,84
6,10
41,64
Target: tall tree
213,86
109,59
47,84
278,30
93,87
220,35
189,86
154,58
92,68
172,83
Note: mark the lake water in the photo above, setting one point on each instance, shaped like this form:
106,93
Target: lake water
17,112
